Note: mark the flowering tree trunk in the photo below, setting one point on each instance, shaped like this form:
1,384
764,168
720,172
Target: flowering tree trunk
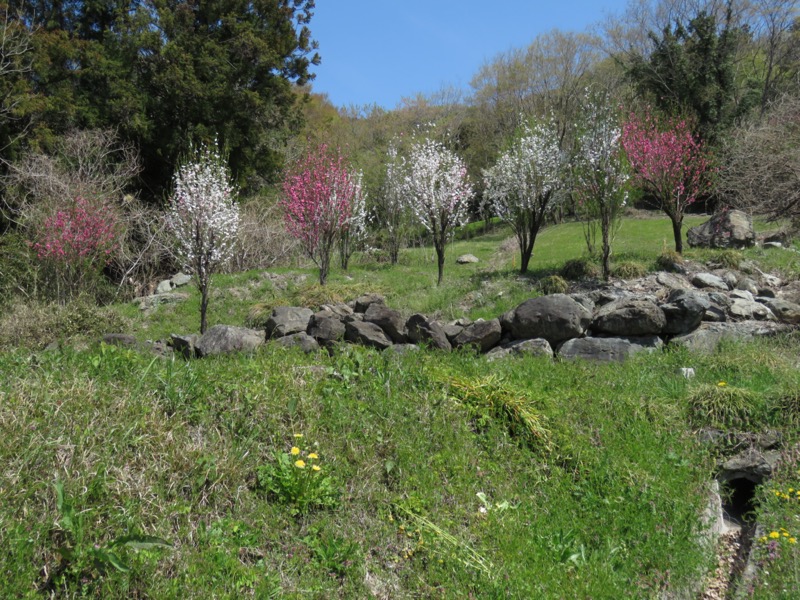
318,195
522,188
437,190
204,219
669,163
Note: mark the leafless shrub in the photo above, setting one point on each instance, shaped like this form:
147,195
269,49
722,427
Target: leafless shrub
263,241
761,165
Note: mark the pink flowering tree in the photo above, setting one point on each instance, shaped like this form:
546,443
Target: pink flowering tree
669,163
203,218
318,196
523,187
75,243
600,174
438,192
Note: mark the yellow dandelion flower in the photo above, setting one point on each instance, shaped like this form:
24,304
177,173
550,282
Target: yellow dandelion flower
774,535
763,539
313,455
721,384
295,450
785,534
298,435
792,540
316,468
300,464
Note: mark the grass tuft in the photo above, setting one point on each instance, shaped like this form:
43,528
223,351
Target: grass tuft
553,284
720,405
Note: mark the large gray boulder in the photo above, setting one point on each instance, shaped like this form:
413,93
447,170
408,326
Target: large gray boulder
286,320
225,339
726,229
483,334
785,311
684,311
709,280
366,334
388,319
362,303
326,327
744,309
534,347
302,340
555,318
628,317
420,329
607,349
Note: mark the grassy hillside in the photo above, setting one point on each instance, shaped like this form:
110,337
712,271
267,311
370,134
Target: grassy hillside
439,475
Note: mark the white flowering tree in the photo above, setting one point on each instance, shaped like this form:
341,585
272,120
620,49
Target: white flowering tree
203,218
438,192
391,209
354,228
600,173
524,186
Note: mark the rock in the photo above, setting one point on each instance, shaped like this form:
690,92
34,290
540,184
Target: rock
421,330
451,330
286,320
726,229
708,280
629,317
584,300
225,339
784,311
741,295
466,259
362,303
555,318
483,334
748,285
730,278
671,281
684,311
164,287
302,340
707,337
751,464
367,334
185,345
749,309
607,349
146,302
390,320
181,279
534,347
326,328
715,314
338,310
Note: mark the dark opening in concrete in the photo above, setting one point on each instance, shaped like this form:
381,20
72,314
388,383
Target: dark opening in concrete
738,500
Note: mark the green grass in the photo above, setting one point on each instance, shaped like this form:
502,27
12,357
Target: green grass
446,476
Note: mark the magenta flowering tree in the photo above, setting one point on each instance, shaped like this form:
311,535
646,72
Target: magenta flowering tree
438,192
669,163
319,192
203,218
75,243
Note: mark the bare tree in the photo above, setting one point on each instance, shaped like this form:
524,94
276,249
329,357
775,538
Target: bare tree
761,169
15,61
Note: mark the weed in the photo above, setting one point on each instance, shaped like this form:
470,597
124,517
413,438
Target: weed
579,268
729,259
669,260
298,478
720,405
553,284
335,554
629,270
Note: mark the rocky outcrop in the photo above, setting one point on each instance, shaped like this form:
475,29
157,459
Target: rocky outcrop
726,229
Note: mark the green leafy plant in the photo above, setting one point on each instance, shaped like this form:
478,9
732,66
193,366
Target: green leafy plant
298,478
83,560
334,553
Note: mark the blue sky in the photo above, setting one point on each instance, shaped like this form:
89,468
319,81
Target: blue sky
379,51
